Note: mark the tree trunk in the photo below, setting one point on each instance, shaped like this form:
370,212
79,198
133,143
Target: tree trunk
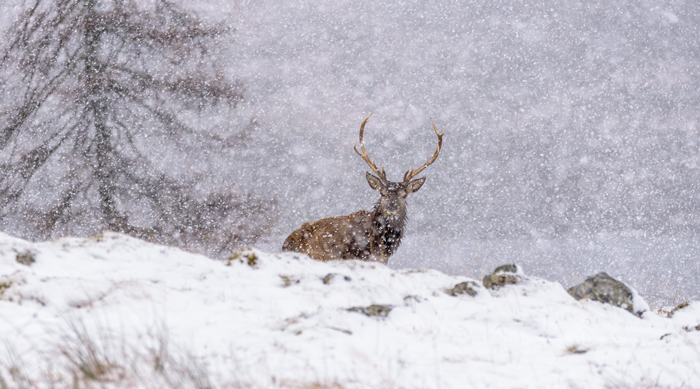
104,172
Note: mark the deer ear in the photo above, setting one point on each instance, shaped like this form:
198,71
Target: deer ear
414,185
373,181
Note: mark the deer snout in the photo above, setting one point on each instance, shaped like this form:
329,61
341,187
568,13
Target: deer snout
391,209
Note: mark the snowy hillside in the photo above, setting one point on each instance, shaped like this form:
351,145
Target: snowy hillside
113,311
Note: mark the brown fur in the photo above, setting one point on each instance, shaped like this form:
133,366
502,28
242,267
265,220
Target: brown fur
344,237
369,236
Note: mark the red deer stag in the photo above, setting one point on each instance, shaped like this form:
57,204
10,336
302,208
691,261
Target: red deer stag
367,235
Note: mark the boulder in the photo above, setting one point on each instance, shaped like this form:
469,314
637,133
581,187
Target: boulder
503,275
467,287
605,289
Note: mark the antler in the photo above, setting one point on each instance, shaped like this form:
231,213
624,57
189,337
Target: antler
365,157
410,173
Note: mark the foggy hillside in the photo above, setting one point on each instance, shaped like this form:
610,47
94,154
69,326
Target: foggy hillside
562,118
571,128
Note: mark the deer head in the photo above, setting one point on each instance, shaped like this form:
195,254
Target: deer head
392,203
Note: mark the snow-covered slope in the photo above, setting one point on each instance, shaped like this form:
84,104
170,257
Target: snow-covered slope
113,311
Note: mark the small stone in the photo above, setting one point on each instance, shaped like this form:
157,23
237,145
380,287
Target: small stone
245,256
679,306
503,275
689,328
510,268
252,260
288,280
576,349
467,287
4,285
495,281
25,258
330,277
374,310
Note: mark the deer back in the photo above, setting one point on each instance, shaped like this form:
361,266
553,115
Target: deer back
343,237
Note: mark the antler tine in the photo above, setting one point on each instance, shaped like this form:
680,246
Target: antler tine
410,173
364,156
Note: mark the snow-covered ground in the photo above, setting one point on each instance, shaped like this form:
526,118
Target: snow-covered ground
113,311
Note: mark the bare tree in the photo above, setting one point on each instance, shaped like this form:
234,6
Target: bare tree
101,96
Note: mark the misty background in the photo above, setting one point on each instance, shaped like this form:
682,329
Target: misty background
571,129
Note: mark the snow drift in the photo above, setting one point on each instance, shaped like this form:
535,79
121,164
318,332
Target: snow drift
113,311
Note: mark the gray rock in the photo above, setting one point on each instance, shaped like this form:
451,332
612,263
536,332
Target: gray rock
601,287
289,280
5,284
245,256
678,307
374,310
330,277
509,268
467,287
503,275
25,258
689,328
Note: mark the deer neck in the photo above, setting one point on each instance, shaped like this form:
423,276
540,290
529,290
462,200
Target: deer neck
387,230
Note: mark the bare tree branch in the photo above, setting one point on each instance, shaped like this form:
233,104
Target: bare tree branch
98,80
